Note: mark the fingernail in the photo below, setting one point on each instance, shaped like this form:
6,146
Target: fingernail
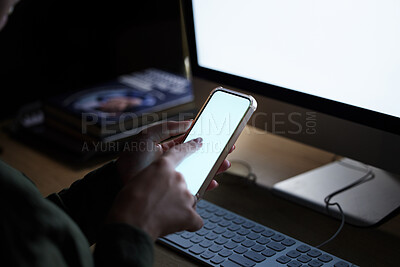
198,140
229,164
187,124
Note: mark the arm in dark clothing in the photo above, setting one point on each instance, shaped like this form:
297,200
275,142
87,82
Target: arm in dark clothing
37,233
89,200
123,245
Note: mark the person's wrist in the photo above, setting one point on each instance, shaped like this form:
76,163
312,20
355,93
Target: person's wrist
116,216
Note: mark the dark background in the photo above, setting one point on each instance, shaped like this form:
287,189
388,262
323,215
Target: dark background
49,47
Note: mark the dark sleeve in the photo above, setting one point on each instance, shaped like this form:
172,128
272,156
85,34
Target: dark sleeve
89,200
123,245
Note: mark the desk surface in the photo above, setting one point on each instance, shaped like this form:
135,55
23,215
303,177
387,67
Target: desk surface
272,159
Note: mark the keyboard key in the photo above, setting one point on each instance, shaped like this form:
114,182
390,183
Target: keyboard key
294,264
341,264
278,237
206,215
228,234
248,243
293,254
207,255
254,256
238,220
229,263
253,236
224,223
238,239
248,225
263,240
221,240
234,227
215,248
258,248
315,263
304,258
196,239
219,230
187,235
202,204
201,212
325,258
196,249
268,233
211,209
215,219
217,259
283,259
314,253
202,232
288,242
303,248
258,229
243,232
242,261
220,213
276,246
268,252
240,250
211,236
231,245
225,253
179,241
209,226
206,243
229,217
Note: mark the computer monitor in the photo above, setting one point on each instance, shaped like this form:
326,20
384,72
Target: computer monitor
339,59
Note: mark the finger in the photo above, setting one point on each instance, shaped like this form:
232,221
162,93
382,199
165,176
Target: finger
212,185
176,141
232,148
196,222
165,130
224,166
177,153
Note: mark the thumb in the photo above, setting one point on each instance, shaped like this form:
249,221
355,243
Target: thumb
177,153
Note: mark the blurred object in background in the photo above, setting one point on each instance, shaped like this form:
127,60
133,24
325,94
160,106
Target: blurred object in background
50,47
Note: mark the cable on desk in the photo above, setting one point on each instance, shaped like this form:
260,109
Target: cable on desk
250,175
369,175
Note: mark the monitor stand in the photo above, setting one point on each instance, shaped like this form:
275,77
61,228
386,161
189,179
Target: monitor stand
364,205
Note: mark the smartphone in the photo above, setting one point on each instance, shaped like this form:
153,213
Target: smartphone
219,122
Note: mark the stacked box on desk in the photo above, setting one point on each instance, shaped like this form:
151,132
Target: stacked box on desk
129,102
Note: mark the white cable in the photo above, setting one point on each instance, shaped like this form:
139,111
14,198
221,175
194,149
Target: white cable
369,175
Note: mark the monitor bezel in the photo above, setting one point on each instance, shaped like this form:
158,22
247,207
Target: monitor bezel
348,112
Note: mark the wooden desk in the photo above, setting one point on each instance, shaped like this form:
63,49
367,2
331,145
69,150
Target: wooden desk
272,159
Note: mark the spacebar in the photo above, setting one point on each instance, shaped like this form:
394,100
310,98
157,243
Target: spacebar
242,260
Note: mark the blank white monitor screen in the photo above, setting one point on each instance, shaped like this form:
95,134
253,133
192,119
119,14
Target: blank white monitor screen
343,50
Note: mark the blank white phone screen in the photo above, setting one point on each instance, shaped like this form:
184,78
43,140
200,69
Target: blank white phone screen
216,125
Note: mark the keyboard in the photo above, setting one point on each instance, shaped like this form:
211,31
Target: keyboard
230,240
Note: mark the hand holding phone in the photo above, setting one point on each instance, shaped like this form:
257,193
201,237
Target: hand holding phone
219,123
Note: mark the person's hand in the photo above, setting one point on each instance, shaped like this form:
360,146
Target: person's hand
224,166
147,146
157,200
